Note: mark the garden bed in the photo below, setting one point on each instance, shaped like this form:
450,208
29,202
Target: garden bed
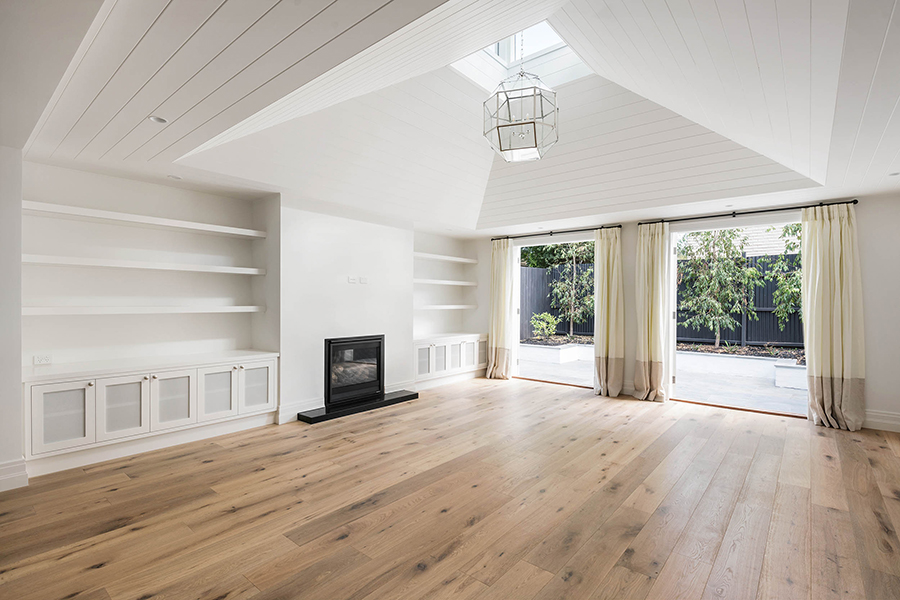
796,354
559,340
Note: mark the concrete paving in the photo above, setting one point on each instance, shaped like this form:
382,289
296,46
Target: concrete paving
701,378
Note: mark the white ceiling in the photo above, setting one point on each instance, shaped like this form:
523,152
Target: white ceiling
351,103
412,152
619,151
204,65
38,39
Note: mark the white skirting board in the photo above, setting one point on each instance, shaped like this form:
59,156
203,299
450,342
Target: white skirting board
288,411
13,474
439,381
882,419
88,456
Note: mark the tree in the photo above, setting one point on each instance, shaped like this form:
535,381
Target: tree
785,271
542,257
573,293
718,280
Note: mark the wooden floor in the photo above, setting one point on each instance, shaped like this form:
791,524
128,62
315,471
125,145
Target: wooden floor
489,490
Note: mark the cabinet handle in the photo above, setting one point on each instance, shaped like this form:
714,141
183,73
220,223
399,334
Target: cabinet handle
155,376
234,368
90,384
242,367
146,378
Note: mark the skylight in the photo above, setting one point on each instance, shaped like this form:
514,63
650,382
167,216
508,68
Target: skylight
537,38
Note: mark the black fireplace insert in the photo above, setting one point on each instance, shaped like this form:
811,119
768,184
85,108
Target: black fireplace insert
354,370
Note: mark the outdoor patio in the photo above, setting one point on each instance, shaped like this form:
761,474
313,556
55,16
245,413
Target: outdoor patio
739,381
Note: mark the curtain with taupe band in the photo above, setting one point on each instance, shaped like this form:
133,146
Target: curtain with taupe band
609,313
832,308
500,336
651,308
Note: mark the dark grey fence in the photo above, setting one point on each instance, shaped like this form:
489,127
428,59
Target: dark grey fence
535,299
761,332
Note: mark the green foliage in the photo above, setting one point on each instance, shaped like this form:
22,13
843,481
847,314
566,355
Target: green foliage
786,274
551,255
544,324
573,293
718,280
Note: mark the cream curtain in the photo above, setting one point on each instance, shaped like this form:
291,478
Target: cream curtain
500,336
651,307
609,313
833,317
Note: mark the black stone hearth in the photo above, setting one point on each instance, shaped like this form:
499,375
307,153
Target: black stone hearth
354,379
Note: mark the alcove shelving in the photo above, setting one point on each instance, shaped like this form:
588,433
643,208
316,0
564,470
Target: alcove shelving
116,220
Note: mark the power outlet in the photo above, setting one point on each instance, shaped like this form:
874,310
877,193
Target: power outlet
43,359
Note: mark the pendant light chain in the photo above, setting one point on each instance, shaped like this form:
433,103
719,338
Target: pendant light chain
522,53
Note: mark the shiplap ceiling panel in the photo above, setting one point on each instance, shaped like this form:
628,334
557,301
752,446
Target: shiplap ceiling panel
622,158
413,152
453,31
259,52
742,69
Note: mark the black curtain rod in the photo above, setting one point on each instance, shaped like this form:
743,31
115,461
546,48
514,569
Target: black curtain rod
551,233
749,212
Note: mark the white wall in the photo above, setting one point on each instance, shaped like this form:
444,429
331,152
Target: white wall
318,254
12,464
878,221
479,320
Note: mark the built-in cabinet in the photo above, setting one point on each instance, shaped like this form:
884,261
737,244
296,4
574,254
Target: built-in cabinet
63,415
71,415
445,355
123,406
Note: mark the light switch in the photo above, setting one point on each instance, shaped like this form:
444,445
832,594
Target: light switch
364,280
351,279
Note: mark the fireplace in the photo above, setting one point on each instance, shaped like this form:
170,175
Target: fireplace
354,370
354,379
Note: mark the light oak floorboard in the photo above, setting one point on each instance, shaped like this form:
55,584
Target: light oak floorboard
476,491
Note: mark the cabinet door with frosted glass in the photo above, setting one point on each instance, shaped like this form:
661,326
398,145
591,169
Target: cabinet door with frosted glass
62,415
256,386
217,391
173,399
123,406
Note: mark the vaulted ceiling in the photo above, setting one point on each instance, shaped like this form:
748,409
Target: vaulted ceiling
677,104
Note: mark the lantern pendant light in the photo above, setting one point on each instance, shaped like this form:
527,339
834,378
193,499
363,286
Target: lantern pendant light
521,116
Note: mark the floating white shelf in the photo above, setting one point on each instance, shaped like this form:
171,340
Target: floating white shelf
445,282
445,257
448,307
70,261
31,311
90,214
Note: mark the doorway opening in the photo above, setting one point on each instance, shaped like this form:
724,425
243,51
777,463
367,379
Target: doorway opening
556,313
738,334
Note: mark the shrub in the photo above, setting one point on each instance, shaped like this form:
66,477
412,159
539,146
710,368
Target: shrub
544,324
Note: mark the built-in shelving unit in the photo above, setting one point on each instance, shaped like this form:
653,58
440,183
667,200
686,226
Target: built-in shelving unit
445,258
46,209
445,282
33,311
71,261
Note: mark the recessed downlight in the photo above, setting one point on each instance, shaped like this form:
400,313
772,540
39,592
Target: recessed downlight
175,177
159,120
